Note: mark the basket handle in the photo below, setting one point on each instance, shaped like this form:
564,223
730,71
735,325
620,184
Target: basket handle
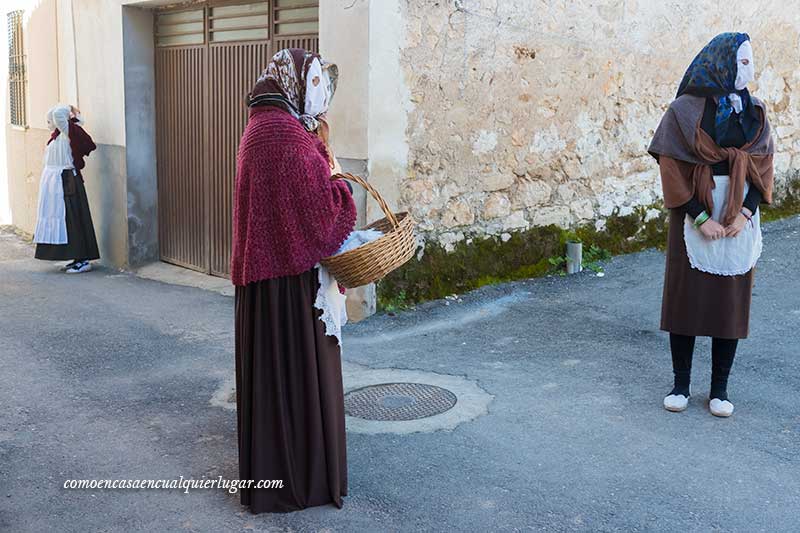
375,194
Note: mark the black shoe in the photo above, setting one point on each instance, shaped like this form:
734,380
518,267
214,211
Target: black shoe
68,266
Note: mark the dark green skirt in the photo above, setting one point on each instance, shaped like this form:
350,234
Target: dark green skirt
81,240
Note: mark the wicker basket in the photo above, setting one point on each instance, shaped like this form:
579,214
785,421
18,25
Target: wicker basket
372,261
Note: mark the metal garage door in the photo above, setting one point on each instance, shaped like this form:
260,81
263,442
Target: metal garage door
208,55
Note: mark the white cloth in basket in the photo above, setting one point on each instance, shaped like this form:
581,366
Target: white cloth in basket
359,238
729,256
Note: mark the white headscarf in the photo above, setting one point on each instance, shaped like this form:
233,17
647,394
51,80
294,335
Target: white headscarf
744,73
59,152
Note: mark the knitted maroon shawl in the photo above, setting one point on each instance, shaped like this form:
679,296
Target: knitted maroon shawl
287,213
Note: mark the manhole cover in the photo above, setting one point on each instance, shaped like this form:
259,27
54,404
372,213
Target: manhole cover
398,401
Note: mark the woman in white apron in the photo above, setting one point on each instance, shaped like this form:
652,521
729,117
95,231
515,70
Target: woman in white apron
714,150
64,229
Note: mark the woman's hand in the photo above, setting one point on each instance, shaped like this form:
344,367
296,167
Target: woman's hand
712,230
737,225
74,111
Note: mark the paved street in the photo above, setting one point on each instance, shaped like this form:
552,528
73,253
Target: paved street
110,376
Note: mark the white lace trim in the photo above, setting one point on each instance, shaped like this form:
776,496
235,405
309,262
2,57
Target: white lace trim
729,256
697,265
332,303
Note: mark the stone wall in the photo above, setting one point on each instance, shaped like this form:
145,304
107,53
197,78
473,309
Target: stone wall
535,112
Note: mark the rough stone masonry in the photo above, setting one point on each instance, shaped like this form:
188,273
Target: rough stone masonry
535,112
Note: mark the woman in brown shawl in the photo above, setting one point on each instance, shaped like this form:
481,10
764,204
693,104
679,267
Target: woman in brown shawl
288,214
714,149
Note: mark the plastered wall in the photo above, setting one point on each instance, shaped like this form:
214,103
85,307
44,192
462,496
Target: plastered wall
83,68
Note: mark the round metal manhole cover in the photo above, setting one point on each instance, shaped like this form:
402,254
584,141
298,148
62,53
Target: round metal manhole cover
398,401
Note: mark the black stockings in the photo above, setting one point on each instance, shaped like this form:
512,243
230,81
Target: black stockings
722,354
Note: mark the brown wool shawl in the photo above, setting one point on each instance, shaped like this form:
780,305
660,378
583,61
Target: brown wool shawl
685,154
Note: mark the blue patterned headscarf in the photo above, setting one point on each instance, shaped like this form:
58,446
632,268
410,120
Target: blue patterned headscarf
713,73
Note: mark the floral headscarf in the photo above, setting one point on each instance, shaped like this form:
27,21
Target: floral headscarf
713,72
299,82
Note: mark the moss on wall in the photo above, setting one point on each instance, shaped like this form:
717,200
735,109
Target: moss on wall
483,261
788,205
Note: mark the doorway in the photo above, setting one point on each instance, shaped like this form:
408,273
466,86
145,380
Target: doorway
207,58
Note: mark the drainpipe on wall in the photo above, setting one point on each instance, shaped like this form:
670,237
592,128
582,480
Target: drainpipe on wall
75,55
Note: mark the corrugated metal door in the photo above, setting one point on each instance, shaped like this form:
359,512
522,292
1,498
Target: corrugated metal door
207,58
232,68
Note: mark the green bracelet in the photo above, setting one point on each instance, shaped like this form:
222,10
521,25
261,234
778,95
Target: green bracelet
701,219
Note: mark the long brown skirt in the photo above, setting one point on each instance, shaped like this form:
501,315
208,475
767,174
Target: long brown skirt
700,304
289,397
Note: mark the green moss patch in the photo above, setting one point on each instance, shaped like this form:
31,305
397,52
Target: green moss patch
788,206
533,253
527,254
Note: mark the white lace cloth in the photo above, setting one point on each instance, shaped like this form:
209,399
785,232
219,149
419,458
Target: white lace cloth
332,304
329,300
729,256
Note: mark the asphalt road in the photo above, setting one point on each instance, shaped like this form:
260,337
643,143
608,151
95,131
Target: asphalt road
109,376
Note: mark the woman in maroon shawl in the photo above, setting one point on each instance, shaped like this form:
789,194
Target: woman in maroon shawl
288,214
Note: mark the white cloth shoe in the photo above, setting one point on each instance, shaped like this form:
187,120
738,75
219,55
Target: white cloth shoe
80,267
676,403
722,408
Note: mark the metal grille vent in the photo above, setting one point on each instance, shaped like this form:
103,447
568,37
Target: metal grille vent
290,23
398,401
17,77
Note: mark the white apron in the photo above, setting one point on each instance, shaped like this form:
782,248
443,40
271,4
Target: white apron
729,256
51,224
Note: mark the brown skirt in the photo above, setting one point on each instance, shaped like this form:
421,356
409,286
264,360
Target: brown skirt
289,397
696,303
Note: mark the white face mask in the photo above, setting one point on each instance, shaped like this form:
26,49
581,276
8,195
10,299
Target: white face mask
317,90
744,73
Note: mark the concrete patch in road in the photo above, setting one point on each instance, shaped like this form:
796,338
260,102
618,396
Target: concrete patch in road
472,400
225,395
